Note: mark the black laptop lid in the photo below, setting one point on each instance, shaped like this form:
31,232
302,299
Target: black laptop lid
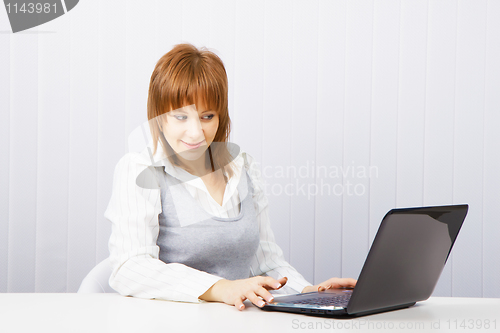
407,257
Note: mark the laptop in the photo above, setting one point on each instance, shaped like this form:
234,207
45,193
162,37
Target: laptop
403,266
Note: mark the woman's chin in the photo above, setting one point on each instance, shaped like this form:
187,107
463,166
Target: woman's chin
193,154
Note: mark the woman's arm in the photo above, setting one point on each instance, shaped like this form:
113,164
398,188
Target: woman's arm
269,259
137,271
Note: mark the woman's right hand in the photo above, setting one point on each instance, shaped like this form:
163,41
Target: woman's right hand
236,291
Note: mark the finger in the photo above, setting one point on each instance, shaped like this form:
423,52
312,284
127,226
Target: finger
254,299
262,292
239,304
342,283
270,283
348,282
274,284
283,281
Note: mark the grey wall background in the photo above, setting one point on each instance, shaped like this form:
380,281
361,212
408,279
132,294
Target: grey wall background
409,89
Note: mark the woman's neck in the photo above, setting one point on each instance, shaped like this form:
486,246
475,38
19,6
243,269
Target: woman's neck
195,167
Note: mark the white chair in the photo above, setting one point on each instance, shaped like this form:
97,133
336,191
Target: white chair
97,279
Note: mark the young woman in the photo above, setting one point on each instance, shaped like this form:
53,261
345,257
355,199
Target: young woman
189,217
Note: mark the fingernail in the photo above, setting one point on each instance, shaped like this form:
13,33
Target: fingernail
241,306
261,303
270,300
278,285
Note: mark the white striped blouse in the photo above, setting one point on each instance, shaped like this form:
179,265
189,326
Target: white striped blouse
133,212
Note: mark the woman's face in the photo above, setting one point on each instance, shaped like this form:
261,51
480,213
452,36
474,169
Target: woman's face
190,130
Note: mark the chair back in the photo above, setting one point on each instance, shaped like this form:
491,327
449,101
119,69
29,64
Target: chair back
97,280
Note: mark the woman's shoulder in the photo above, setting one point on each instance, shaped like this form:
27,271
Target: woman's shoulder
136,167
249,163
129,162
253,169
142,158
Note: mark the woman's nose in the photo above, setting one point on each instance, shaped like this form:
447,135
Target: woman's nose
194,129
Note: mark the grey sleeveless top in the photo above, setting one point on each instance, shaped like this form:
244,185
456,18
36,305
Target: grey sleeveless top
189,235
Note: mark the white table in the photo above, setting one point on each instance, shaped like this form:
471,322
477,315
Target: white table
114,313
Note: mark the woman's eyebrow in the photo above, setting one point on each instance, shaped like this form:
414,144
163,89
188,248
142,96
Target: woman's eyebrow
184,112
178,110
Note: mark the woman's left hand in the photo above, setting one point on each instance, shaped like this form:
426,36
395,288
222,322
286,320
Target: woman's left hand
330,284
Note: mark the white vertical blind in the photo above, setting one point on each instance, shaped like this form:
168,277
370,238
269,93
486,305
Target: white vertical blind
439,114
384,110
23,158
5,89
351,108
329,139
357,119
303,139
412,65
111,117
491,155
468,144
248,75
83,141
276,110
53,163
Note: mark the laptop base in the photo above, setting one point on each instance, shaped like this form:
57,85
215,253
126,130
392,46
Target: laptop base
339,314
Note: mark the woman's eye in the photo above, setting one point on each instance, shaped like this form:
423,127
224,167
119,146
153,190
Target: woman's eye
183,117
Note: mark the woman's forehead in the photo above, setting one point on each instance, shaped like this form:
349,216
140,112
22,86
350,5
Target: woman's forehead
195,104
192,108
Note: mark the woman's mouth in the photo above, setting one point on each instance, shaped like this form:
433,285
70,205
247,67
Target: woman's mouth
194,145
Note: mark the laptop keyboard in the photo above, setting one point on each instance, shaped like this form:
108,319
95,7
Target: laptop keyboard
339,300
